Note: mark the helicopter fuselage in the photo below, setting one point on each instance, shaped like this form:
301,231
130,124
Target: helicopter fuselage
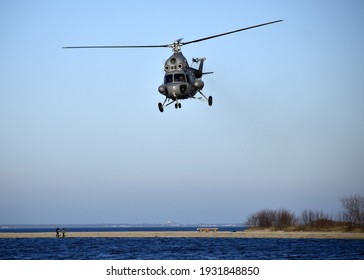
180,80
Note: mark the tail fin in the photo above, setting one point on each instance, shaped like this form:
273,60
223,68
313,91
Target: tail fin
200,67
199,71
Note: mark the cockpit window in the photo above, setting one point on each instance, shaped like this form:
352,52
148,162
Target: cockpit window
168,78
180,78
177,78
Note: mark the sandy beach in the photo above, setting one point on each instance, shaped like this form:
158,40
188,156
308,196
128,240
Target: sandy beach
191,234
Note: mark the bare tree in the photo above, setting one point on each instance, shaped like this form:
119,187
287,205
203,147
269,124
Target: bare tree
354,209
307,217
316,219
285,218
271,219
263,219
266,218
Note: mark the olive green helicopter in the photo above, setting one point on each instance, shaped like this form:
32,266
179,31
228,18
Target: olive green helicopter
181,81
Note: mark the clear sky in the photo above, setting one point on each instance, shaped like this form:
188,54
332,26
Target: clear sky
82,139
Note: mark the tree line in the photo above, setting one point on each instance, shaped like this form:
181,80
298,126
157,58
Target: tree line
352,217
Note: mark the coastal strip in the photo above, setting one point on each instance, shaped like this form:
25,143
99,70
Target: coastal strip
190,234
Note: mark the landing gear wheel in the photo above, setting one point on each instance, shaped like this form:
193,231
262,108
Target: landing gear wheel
210,100
176,105
179,105
160,106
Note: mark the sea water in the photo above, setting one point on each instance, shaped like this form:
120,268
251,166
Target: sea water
180,249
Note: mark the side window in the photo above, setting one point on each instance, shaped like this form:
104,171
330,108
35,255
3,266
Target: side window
188,79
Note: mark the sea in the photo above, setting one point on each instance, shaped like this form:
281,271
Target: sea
171,248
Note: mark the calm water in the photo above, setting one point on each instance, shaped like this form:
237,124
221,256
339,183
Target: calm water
179,248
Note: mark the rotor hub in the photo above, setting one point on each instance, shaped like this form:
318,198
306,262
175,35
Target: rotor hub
176,46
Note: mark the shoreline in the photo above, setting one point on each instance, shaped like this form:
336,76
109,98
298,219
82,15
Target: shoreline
191,234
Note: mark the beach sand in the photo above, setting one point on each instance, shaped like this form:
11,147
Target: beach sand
192,234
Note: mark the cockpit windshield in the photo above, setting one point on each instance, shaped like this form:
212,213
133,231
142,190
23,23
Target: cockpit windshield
180,78
174,78
168,78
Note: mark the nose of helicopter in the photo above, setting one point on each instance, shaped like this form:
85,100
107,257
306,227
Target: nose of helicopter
173,90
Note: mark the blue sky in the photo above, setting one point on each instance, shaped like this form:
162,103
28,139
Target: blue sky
82,140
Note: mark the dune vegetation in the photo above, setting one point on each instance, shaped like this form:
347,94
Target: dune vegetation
350,220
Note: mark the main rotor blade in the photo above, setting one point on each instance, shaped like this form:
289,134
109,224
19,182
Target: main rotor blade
174,45
227,33
117,47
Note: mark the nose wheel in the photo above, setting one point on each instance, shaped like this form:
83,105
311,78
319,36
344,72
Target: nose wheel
178,105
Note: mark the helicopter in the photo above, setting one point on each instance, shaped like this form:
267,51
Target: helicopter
181,81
